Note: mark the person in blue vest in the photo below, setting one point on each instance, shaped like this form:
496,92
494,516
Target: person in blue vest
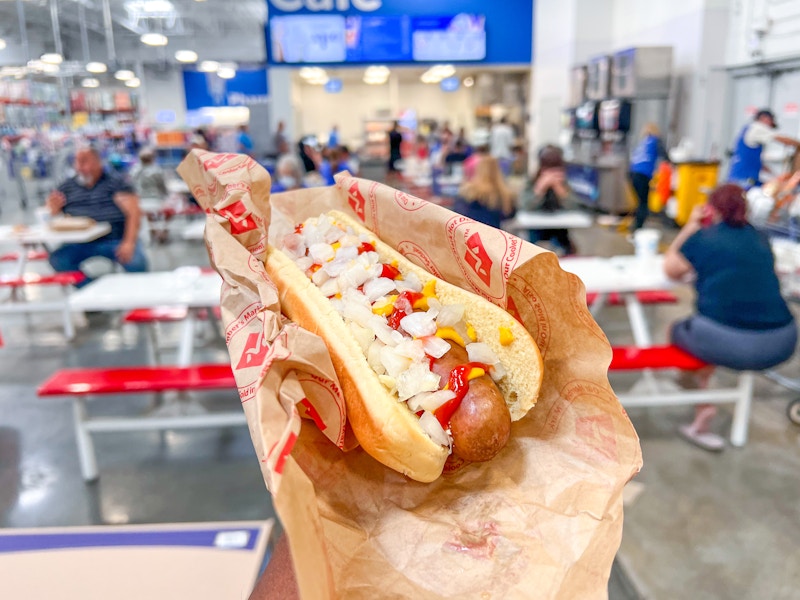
333,137
644,158
244,141
746,162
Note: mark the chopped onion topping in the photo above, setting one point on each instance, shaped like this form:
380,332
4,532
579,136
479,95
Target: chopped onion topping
416,379
450,315
418,324
435,346
393,362
482,353
321,253
378,287
431,426
430,400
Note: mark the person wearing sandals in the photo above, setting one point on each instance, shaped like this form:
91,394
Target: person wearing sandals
742,322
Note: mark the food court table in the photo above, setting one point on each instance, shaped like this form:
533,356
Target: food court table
186,286
188,560
525,221
30,236
625,275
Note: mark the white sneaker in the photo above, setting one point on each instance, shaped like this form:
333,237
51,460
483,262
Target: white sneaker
705,439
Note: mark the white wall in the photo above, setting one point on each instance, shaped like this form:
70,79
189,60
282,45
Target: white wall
316,111
779,22
162,89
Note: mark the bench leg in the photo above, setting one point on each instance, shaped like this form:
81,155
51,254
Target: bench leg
84,439
741,412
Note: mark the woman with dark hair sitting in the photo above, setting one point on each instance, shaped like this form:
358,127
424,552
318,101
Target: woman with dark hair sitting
742,321
551,192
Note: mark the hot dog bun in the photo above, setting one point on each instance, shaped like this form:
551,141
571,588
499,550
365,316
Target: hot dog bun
385,427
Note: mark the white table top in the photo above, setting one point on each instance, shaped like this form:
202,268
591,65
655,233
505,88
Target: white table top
185,286
568,219
41,234
194,230
621,274
177,186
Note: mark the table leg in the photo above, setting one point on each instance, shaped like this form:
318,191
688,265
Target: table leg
598,304
186,347
638,320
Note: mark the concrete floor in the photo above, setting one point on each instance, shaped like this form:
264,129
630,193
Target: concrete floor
697,525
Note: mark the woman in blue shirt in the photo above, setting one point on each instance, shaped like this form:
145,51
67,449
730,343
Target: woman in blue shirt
643,164
742,321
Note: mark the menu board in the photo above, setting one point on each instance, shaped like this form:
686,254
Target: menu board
300,39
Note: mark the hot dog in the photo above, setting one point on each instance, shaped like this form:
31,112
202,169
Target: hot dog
426,368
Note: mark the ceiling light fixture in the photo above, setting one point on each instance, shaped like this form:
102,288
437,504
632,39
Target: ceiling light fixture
154,39
133,83
124,75
469,81
90,82
209,66
52,58
96,67
438,72
186,56
226,73
2,44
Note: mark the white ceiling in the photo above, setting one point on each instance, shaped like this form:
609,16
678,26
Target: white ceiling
185,21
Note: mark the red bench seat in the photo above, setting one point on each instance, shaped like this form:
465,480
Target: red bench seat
65,278
123,380
32,255
164,314
631,358
644,297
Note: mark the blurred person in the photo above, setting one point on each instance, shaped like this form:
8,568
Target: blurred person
395,142
280,145
480,147
458,153
94,192
501,140
746,163
244,141
333,137
486,197
351,161
549,193
332,163
644,158
148,178
741,322
308,153
288,174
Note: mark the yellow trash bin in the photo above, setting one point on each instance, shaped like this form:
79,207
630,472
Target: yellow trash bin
696,179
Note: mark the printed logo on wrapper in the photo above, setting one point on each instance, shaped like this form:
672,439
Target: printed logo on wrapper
239,217
595,432
580,308
356,200
468,242
254,352
416,254
409,203
535,308
328,404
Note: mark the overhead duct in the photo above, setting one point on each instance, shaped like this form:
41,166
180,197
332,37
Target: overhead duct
23,29
108,25
56,27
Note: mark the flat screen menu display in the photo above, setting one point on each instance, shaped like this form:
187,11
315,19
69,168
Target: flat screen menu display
376,39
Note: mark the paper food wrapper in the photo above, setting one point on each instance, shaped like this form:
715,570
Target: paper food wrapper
543,519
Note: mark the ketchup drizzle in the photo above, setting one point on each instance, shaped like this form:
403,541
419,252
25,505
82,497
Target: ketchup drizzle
459,384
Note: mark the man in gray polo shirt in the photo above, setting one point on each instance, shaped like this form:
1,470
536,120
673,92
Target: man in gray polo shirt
95,193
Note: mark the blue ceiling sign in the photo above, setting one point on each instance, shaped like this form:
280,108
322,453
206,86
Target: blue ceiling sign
450,84
333,86
247,88
399,31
